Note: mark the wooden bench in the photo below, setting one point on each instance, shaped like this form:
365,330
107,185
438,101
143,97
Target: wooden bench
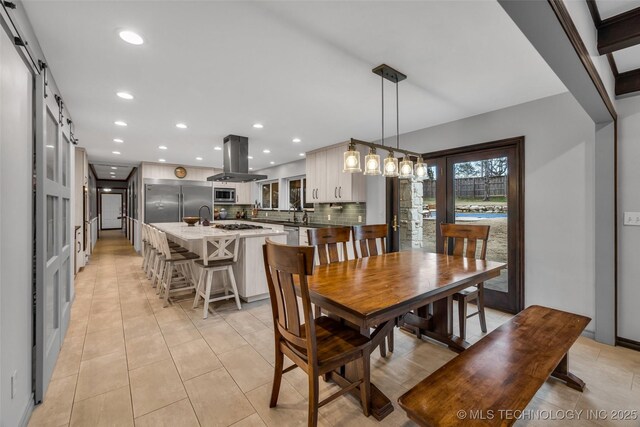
500,373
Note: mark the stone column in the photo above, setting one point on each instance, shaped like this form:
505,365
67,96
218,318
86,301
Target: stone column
411,231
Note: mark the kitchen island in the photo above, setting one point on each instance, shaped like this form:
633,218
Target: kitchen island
249,270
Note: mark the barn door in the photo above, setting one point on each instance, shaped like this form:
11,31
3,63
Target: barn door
52,232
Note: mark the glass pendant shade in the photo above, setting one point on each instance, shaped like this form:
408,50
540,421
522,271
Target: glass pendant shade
390,166
406,168
372,163
420,169
351,160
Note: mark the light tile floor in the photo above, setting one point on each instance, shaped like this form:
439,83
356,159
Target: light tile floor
128,361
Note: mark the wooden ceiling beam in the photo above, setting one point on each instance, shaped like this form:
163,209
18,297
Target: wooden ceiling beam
619,32
628,82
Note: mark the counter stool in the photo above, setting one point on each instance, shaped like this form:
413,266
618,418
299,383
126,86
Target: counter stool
158,266
174,262
218,254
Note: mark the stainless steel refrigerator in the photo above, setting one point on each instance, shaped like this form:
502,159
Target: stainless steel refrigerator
171,201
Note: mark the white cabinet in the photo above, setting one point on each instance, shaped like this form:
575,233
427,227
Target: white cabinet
243,193
303,237
326,183
316,176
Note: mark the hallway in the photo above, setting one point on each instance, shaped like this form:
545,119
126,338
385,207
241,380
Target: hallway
126,358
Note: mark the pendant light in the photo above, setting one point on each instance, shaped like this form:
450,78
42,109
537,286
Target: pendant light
372,163
352,160
420,169
390,166
406,168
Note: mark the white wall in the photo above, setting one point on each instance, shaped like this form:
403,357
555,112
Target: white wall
559,188
628,200
16,145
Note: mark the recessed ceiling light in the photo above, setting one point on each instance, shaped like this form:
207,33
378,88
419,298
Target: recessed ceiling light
120,123
131,37
118,140
181,126
296,140
125,95
106,190
301,154
112,173
250,169
198,158
162,147
273,163
217,148
250,157
113,167
266,151
50,146
258,125
115,152
161,160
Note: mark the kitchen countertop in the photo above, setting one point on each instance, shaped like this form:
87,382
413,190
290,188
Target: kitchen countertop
285,223
197,232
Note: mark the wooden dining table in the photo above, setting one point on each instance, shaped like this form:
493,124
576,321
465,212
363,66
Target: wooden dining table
373,293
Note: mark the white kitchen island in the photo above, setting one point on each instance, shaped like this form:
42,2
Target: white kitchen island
249,270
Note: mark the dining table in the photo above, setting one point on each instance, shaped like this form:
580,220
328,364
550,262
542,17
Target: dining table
375,293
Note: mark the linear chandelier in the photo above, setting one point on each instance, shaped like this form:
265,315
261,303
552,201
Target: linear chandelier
405,169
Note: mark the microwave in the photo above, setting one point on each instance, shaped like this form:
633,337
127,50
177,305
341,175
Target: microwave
224,195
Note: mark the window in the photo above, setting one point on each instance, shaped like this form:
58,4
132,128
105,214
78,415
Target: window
298,194
270,195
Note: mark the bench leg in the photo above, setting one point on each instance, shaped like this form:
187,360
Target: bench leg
562,373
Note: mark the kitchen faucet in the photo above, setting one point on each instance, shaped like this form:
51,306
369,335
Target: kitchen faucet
294,219
206,221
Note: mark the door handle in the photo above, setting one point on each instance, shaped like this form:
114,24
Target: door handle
335,193
340,192
395,223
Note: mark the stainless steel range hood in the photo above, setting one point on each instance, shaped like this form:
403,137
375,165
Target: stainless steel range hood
235,162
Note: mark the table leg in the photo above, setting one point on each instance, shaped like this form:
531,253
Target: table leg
562,373
381,405
437,325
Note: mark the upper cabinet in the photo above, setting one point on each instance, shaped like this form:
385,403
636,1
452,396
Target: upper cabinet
243,193
326,183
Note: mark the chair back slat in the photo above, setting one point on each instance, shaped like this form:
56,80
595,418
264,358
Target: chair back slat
284,266
327,241
163,244
366,237
219,248
469,234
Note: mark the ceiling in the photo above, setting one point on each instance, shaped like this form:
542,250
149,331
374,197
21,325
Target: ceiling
302,69
626,59
103,171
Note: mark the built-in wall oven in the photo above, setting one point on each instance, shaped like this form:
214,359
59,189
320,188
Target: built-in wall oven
223,195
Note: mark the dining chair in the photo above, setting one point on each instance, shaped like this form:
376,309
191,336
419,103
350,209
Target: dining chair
367,238
466,239
219,253
330,243
316,345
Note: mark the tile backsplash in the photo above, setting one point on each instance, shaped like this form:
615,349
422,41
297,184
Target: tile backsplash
341,214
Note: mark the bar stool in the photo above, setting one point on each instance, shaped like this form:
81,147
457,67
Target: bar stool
218,254
174,262
157,269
